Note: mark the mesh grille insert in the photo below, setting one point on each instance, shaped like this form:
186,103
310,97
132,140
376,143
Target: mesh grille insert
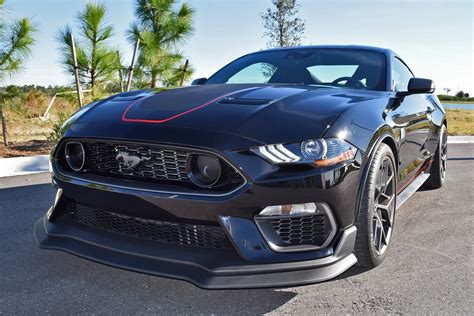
157,163
184,234
302,230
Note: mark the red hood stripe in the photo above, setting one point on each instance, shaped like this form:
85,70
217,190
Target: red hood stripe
125,119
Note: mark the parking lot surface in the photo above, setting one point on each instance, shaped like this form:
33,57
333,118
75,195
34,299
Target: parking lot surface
429,268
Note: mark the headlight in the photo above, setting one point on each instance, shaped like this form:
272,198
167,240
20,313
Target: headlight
317,152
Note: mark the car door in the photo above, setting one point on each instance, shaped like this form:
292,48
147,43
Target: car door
412,120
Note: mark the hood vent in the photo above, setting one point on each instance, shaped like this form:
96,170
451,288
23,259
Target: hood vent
130,97
245,101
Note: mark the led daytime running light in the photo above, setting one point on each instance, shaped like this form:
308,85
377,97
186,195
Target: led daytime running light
316,152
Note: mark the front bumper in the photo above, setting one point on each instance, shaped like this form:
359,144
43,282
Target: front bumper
251,263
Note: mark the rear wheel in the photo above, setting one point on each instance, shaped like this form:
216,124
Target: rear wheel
377,210
440,162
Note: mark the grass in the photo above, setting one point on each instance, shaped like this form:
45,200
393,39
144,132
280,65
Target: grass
24,114
21,128
460,122
458,102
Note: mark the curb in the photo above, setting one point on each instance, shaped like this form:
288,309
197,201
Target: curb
460,139
10,167
18,166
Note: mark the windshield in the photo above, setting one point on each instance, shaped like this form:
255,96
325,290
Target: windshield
345,68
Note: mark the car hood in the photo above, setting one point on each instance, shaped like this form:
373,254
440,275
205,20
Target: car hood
261,113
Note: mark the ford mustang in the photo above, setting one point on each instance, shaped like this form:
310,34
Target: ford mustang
285,167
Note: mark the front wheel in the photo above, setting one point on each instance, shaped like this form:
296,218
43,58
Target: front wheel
376,215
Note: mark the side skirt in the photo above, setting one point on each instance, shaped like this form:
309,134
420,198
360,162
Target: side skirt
411,188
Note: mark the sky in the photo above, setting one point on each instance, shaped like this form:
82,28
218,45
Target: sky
435,38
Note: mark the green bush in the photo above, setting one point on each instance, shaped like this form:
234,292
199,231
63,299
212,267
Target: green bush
444,97
35,103
57,131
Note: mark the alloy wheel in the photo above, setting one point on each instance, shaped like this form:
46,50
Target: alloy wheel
384,206
444,155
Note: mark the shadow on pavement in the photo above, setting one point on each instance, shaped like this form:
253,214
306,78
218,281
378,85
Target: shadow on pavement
100,287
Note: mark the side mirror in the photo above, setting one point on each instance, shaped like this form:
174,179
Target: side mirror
419,85
199,81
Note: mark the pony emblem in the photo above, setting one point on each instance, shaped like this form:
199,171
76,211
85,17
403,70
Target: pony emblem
128,161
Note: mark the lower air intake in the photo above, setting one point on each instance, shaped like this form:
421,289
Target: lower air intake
292,233
184,234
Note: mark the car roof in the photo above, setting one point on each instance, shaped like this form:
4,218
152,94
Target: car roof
360,47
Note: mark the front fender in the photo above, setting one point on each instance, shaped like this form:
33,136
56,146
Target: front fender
362,124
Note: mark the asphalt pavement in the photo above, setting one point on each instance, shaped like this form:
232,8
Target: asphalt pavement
429,268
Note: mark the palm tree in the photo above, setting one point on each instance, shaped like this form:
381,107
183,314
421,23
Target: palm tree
160,28
16,40
173,75
95,59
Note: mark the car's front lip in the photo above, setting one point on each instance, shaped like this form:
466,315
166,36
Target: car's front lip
212,269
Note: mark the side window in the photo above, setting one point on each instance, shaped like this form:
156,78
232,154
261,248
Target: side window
255,73
400,75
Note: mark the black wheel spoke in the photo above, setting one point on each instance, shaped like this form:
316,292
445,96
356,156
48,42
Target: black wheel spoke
444,154
380,221
377,234
387,205
384,205
380,240
444,160
386,210
385,196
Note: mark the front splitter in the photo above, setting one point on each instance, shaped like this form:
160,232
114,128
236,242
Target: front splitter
210,269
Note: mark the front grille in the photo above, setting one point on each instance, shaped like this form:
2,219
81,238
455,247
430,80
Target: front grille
303,230
158,163
184,234
155,164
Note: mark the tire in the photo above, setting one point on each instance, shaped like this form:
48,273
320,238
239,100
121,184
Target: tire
376,215
440,162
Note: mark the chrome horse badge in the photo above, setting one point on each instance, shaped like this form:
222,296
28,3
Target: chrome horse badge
129,161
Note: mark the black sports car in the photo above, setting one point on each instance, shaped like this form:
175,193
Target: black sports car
283,168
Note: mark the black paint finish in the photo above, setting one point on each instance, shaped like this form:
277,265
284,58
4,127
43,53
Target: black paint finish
228,119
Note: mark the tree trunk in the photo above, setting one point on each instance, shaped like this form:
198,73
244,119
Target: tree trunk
93,82
120,75
4,127
153,80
